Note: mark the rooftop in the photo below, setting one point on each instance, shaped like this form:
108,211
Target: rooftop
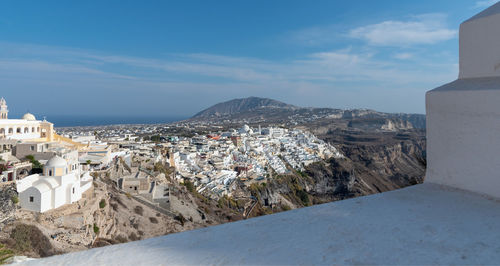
493,10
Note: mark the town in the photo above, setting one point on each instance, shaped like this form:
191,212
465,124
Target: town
52,167
212,161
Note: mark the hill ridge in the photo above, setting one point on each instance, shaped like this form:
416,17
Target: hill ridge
239,105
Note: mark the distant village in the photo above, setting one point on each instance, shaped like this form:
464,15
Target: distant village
52,167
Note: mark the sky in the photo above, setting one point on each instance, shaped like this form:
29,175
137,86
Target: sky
175,58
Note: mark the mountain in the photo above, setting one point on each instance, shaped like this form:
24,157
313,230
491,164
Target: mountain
262,111
242,105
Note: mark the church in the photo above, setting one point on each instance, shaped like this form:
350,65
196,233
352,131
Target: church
28,128
60,183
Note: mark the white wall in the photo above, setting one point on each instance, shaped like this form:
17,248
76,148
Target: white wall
25,183
24,136
24,199
46,201
463,137
480,47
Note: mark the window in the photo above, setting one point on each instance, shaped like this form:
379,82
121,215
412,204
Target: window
32,148
50,172
73,190
31,199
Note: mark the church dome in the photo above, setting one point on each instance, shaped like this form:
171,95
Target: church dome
29,117
56,162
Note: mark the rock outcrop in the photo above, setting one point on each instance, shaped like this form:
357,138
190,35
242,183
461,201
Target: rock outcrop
8,200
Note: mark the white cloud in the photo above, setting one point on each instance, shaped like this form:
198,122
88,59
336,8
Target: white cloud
320,76
317,36
485,3
403,56
423,29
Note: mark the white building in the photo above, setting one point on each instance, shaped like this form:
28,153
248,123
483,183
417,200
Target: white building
27,128
60,184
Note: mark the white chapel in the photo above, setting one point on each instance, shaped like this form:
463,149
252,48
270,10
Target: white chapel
60,183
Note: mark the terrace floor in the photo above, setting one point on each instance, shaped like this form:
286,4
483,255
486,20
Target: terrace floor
423,224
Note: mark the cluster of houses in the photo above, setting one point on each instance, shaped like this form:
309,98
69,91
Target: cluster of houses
214,162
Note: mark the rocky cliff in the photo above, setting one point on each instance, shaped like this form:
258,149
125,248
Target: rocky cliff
371,166
8,200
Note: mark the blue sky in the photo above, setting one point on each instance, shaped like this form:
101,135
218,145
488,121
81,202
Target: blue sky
166,58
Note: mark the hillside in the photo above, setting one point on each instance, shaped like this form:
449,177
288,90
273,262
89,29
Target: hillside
263,111
242,105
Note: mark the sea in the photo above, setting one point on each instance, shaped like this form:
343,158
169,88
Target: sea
79,120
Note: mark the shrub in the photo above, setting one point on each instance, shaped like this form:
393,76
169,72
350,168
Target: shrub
180,218
102,204
30,238
96,229
304,197
189,185
133,237
36,164
15,199
139,210
5,254
121,239
302,174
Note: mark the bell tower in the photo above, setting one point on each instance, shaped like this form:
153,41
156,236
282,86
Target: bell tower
4,112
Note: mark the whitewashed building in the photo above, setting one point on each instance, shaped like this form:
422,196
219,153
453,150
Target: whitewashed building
61,183
26,128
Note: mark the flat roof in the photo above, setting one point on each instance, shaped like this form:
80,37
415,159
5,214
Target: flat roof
423,224
490,11
470,84
17,121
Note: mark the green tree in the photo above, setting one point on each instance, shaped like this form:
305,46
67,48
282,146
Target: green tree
189,185
37,166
